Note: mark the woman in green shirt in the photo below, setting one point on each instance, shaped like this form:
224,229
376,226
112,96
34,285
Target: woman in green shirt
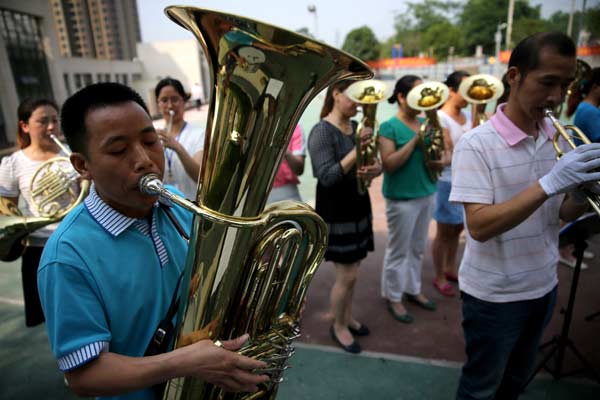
408,193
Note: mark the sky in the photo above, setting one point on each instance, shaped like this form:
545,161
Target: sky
334,18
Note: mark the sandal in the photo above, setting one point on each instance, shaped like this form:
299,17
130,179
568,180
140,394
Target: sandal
446,289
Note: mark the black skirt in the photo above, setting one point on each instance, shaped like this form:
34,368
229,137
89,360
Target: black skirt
349,219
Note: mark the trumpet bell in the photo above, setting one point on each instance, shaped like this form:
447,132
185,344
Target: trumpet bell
427,96
481,88
371,91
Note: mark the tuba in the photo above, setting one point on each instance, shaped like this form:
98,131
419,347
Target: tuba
55,191
249,270
368,94
562,131
428,97
481,89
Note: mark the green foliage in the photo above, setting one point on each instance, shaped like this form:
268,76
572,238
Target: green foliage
528,26
362,43
441,38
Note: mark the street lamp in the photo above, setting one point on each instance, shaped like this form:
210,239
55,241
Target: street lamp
498,39
313,10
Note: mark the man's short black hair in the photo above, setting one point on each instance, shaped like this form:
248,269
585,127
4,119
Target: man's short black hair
526,55
77,107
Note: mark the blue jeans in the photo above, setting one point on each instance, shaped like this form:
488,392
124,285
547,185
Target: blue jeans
501,345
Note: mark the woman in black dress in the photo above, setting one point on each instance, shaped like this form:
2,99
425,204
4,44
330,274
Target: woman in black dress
332,149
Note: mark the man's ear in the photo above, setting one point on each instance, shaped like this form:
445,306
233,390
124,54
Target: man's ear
80,163
513,76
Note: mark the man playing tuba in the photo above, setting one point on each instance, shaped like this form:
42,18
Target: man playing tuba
108,275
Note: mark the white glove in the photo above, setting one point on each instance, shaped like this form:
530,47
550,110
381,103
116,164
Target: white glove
573,169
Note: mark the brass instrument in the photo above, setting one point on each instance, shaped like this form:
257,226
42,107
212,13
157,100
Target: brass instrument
481,89
54,191
249,270
574,95
562,131
169,126
583,70
368,94
428,97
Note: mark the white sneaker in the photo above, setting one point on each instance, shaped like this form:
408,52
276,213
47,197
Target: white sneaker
588,254
572,262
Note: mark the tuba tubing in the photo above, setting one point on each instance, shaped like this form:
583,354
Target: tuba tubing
248,269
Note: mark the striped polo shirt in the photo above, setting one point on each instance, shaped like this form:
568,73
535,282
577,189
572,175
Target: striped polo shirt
106,280
492,164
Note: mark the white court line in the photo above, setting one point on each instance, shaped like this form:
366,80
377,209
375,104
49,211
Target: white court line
14,302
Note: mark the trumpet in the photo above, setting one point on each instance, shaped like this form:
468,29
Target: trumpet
368,94
481,89
562,131
428,97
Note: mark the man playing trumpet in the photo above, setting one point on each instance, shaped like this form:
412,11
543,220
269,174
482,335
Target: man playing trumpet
514,191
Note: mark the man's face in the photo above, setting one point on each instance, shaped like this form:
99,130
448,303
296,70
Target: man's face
543,87
122,146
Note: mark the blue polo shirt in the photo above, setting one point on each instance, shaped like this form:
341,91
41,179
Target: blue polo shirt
106,280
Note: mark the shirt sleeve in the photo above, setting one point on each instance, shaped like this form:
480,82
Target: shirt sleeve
321,148
297,144
9,184
471,177
75,319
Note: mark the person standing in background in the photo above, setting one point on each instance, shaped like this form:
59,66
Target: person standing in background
285,186
38,119
183,144
332,147
408,193
449,216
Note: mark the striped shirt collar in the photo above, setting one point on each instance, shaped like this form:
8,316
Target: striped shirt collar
510,132
116,223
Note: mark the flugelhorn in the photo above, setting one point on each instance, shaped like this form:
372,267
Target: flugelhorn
368,94
55,190
428,97
248,269
562,131
481,89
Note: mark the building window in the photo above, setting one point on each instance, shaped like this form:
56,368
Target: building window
87,79
124,79
67,84
78,81
106,77
99,77
23,39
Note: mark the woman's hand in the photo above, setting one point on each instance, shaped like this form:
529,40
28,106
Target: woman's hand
366,135
370,172
169,142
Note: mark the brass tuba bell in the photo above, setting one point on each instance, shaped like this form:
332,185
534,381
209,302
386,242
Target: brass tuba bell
368,94
428,97
481,89
249,270
55,190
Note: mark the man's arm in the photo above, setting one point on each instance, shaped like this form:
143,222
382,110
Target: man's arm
485,221
112,374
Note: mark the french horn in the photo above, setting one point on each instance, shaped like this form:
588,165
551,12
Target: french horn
428,97
248,269
368,94
55,190
481,89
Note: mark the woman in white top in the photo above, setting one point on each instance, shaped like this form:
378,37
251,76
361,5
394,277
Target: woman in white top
449,216
183,145
38,119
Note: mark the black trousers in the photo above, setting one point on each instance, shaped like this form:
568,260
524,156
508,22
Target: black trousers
34,315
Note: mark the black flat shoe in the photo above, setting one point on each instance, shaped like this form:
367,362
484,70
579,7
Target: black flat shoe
353,348
362,330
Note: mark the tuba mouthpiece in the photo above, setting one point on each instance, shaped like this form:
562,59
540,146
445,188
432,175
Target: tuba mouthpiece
151,185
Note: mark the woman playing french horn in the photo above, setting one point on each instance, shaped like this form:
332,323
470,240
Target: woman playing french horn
347,212
408,192
38,121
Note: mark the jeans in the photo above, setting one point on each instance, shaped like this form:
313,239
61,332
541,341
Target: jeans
501,345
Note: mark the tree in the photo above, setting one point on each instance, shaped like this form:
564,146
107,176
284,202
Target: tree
480,18
362,43
528,26
441,37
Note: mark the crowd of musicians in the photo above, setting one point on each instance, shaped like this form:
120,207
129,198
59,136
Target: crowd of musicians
498,181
